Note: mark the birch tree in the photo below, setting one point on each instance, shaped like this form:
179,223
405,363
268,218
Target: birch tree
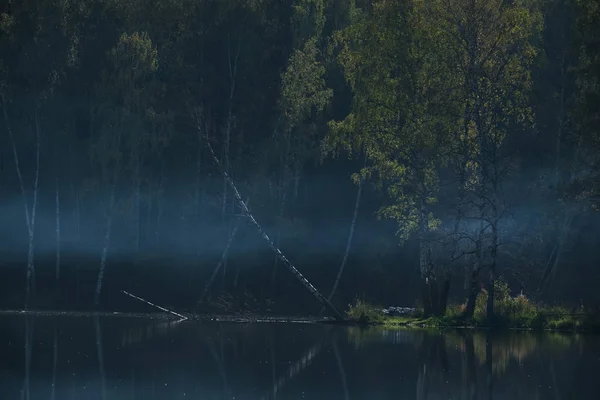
132,62
30,212
396,119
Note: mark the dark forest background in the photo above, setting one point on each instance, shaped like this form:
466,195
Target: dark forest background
457,140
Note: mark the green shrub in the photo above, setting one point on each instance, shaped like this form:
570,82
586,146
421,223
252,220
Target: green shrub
364,312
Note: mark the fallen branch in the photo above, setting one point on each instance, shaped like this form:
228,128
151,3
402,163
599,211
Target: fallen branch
154,305
322,299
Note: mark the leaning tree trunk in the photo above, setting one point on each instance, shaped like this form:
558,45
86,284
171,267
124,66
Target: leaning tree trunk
349,243
227,141
322,299
109,222
223,259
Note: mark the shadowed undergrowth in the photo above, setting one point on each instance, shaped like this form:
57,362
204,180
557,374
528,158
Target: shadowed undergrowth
511,312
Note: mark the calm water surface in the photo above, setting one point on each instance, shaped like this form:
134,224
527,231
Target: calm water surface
115,358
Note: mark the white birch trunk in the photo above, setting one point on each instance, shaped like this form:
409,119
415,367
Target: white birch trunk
226,145
30,220
198,177
322,299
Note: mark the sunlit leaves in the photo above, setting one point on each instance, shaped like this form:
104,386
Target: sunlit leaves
303,86
308,20
398,117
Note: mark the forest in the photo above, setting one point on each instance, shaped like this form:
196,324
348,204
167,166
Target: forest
407,152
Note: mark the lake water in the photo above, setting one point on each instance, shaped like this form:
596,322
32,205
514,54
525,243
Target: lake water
118,358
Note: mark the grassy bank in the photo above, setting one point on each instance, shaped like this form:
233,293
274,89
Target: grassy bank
516,312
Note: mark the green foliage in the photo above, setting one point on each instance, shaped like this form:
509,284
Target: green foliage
517,311
304,93
365,313
397,117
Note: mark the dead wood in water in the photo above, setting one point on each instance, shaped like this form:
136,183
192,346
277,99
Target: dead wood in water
154,305
322,299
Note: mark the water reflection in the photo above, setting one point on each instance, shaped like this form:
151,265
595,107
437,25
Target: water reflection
125,359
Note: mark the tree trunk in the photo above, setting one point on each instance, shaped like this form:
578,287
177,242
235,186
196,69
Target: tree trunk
30,220
322,299
198,190
226,144
554,260
490,299
427,279
57,197
78,222
109,221
138,219
349,242
560,124
473,291
442,300
223,259
159,201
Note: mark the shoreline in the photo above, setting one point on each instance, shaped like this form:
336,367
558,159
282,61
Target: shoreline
169,316
406,323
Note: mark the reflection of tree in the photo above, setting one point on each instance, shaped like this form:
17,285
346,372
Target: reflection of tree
100,352
297,367
340,365
138,334
360,336
220,361
469,368
433,361
508,348
300,365
54,361
28,345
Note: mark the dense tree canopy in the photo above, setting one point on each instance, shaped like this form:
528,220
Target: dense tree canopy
473,125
